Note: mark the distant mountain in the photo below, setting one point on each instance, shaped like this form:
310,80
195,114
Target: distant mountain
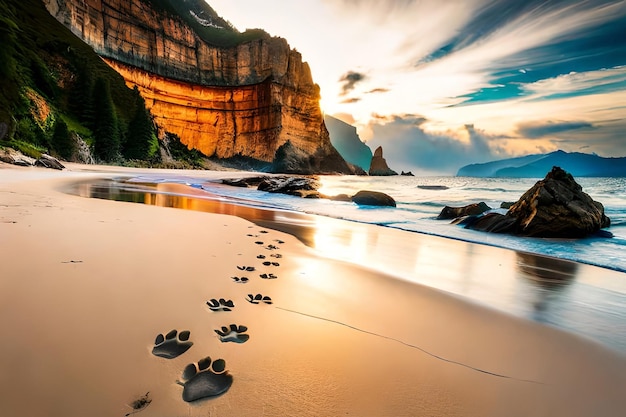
347,142
536,166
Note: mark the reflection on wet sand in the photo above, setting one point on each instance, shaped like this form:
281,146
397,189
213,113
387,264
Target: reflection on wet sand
185,197
549,278
551,273
560,293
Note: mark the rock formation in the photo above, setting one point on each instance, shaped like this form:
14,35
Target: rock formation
379,166
296,186
244,100
557,207
11,156
308,187
554,207
449,212
373,198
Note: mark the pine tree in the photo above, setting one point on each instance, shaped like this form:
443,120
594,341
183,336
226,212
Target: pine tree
106,129
81,97
61,140
140,139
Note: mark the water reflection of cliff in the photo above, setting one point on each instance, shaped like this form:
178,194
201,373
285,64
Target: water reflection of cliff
184,197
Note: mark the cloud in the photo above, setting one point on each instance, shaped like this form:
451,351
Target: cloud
409,145
349,80
350,100
378,90
549,128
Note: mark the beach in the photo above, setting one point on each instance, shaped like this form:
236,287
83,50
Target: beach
88,284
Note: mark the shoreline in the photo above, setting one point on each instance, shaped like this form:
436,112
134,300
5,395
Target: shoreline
543,278
88,284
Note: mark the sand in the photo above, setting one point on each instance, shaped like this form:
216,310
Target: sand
88,284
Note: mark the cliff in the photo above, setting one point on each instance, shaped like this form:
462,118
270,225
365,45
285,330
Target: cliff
346,140
245,99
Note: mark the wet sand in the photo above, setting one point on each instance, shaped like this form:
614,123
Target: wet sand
88,284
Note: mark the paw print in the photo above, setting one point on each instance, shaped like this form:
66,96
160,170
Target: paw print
221,304
268,263
172,344
205,379
276,255
246,268
268,276
233,333
259,298
261,257
241,280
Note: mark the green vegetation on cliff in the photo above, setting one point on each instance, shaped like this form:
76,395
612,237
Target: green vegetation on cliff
207,24
49,76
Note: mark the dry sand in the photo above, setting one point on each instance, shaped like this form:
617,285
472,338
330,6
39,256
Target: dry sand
88,284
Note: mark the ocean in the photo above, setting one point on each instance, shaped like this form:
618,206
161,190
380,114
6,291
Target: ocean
591,306
417,209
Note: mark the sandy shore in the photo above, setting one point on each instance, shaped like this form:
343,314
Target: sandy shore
88,284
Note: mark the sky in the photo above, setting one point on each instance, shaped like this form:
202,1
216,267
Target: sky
443,83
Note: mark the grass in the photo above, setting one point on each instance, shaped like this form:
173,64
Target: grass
26,148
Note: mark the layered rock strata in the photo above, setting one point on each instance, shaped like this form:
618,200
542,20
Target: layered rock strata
245,100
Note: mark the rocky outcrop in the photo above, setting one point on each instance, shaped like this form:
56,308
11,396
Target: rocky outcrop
554,207
379,166
297,186
308,187
11,156
245,100
48,161
373,198
557,207
449,212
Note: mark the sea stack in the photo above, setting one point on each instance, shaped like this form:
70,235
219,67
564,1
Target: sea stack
378,166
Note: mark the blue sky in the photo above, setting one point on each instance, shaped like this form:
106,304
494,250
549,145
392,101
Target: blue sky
443,83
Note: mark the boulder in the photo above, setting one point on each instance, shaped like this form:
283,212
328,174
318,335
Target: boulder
11,156
490,222
557,207
407,174
47,161
298,186
245,182
378,166
449,212
373,198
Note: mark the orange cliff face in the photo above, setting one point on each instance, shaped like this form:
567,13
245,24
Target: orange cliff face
245,100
